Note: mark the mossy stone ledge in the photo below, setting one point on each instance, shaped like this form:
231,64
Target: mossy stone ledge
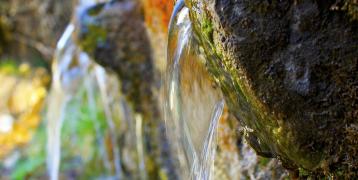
289,73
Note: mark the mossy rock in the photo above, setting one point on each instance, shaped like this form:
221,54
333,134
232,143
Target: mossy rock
114,35
289,73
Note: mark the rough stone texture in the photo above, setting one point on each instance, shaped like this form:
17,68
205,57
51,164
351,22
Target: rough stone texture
289,72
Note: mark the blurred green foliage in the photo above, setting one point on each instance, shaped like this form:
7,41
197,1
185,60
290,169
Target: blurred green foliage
8,66
33,158
83,139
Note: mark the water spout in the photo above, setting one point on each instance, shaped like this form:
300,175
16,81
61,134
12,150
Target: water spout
193,105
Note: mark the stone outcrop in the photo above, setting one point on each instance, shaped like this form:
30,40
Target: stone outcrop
289,73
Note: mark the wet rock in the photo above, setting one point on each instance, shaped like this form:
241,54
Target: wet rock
235,159
288,70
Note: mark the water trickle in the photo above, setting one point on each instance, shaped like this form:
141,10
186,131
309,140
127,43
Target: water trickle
77,79
194,106
61,92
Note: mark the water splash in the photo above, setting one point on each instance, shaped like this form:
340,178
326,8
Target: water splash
193,106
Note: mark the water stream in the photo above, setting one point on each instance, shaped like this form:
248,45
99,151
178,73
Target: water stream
194,106
59,96
76,79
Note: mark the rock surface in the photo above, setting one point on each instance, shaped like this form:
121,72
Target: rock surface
289,72
32,30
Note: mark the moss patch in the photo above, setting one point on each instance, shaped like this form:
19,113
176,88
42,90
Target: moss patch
95,36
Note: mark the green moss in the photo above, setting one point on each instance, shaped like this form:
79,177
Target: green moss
96,35
95,10
263,161
207,29
242,100
303,172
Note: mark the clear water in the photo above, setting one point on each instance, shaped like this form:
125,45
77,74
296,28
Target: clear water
59,96
202,135
193,106
77,81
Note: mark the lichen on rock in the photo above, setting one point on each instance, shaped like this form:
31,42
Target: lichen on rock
288,71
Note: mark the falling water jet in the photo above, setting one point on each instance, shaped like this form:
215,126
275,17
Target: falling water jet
101,80
62,90
69,68
73,69
193,105
206,169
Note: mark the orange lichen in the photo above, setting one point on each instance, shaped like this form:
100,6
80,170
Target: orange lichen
157,14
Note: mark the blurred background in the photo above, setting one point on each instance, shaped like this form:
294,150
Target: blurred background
28,36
